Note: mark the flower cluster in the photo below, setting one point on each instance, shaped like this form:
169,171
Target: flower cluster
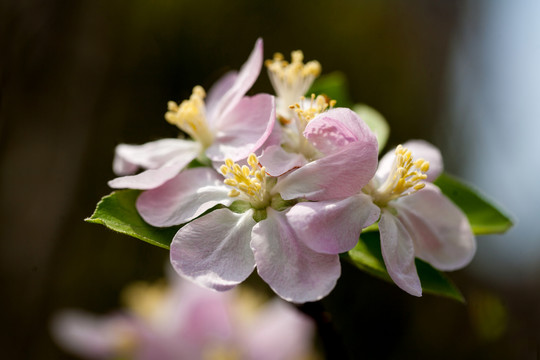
287,184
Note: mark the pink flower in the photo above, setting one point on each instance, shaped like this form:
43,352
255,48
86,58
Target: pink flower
417,220
188,322
220,249
227,125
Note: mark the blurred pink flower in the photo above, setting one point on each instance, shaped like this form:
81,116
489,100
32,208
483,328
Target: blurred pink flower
228,125
188,322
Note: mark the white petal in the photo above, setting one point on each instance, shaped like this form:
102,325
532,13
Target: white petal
184,153
440,230
183,198
278,161
398,254
213,250
216,93
293,271
244,129
152,155
334,176
243,82
333,227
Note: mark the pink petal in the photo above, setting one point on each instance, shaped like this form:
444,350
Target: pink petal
333,227
199,314
150,179
91,336
152,155
332,130
278,161
183,198
292,270
244,129
244,81
398,253
420,149
216,93
341,174
185,152
441,232
213,250
280,331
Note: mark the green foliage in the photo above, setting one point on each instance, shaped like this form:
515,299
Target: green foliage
367,256
117,211
333,85
483,215
376,123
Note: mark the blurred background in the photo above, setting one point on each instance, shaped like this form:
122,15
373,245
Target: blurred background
79,77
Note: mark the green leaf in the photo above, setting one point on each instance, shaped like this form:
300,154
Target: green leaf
333,85
117,211
483,215
376,123
367,256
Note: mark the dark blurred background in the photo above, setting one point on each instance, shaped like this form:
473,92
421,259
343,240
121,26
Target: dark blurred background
79,77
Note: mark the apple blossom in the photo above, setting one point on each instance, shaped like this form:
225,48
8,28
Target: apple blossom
220,249
417,219
227,125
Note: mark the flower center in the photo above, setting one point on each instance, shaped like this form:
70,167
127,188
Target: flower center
291,80
248,182
190,117
404,178
307,110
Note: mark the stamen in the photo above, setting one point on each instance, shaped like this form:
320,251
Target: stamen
190,117
249,181
306,112
291,80
404,178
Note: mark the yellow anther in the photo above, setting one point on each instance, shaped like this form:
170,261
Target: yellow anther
291,72
249,181
172,106
307,111
253,161
234,193
291,80
404,178
190,117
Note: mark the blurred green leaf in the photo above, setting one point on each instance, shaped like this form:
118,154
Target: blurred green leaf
375,121
483,215
367,256
333,85
117,211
